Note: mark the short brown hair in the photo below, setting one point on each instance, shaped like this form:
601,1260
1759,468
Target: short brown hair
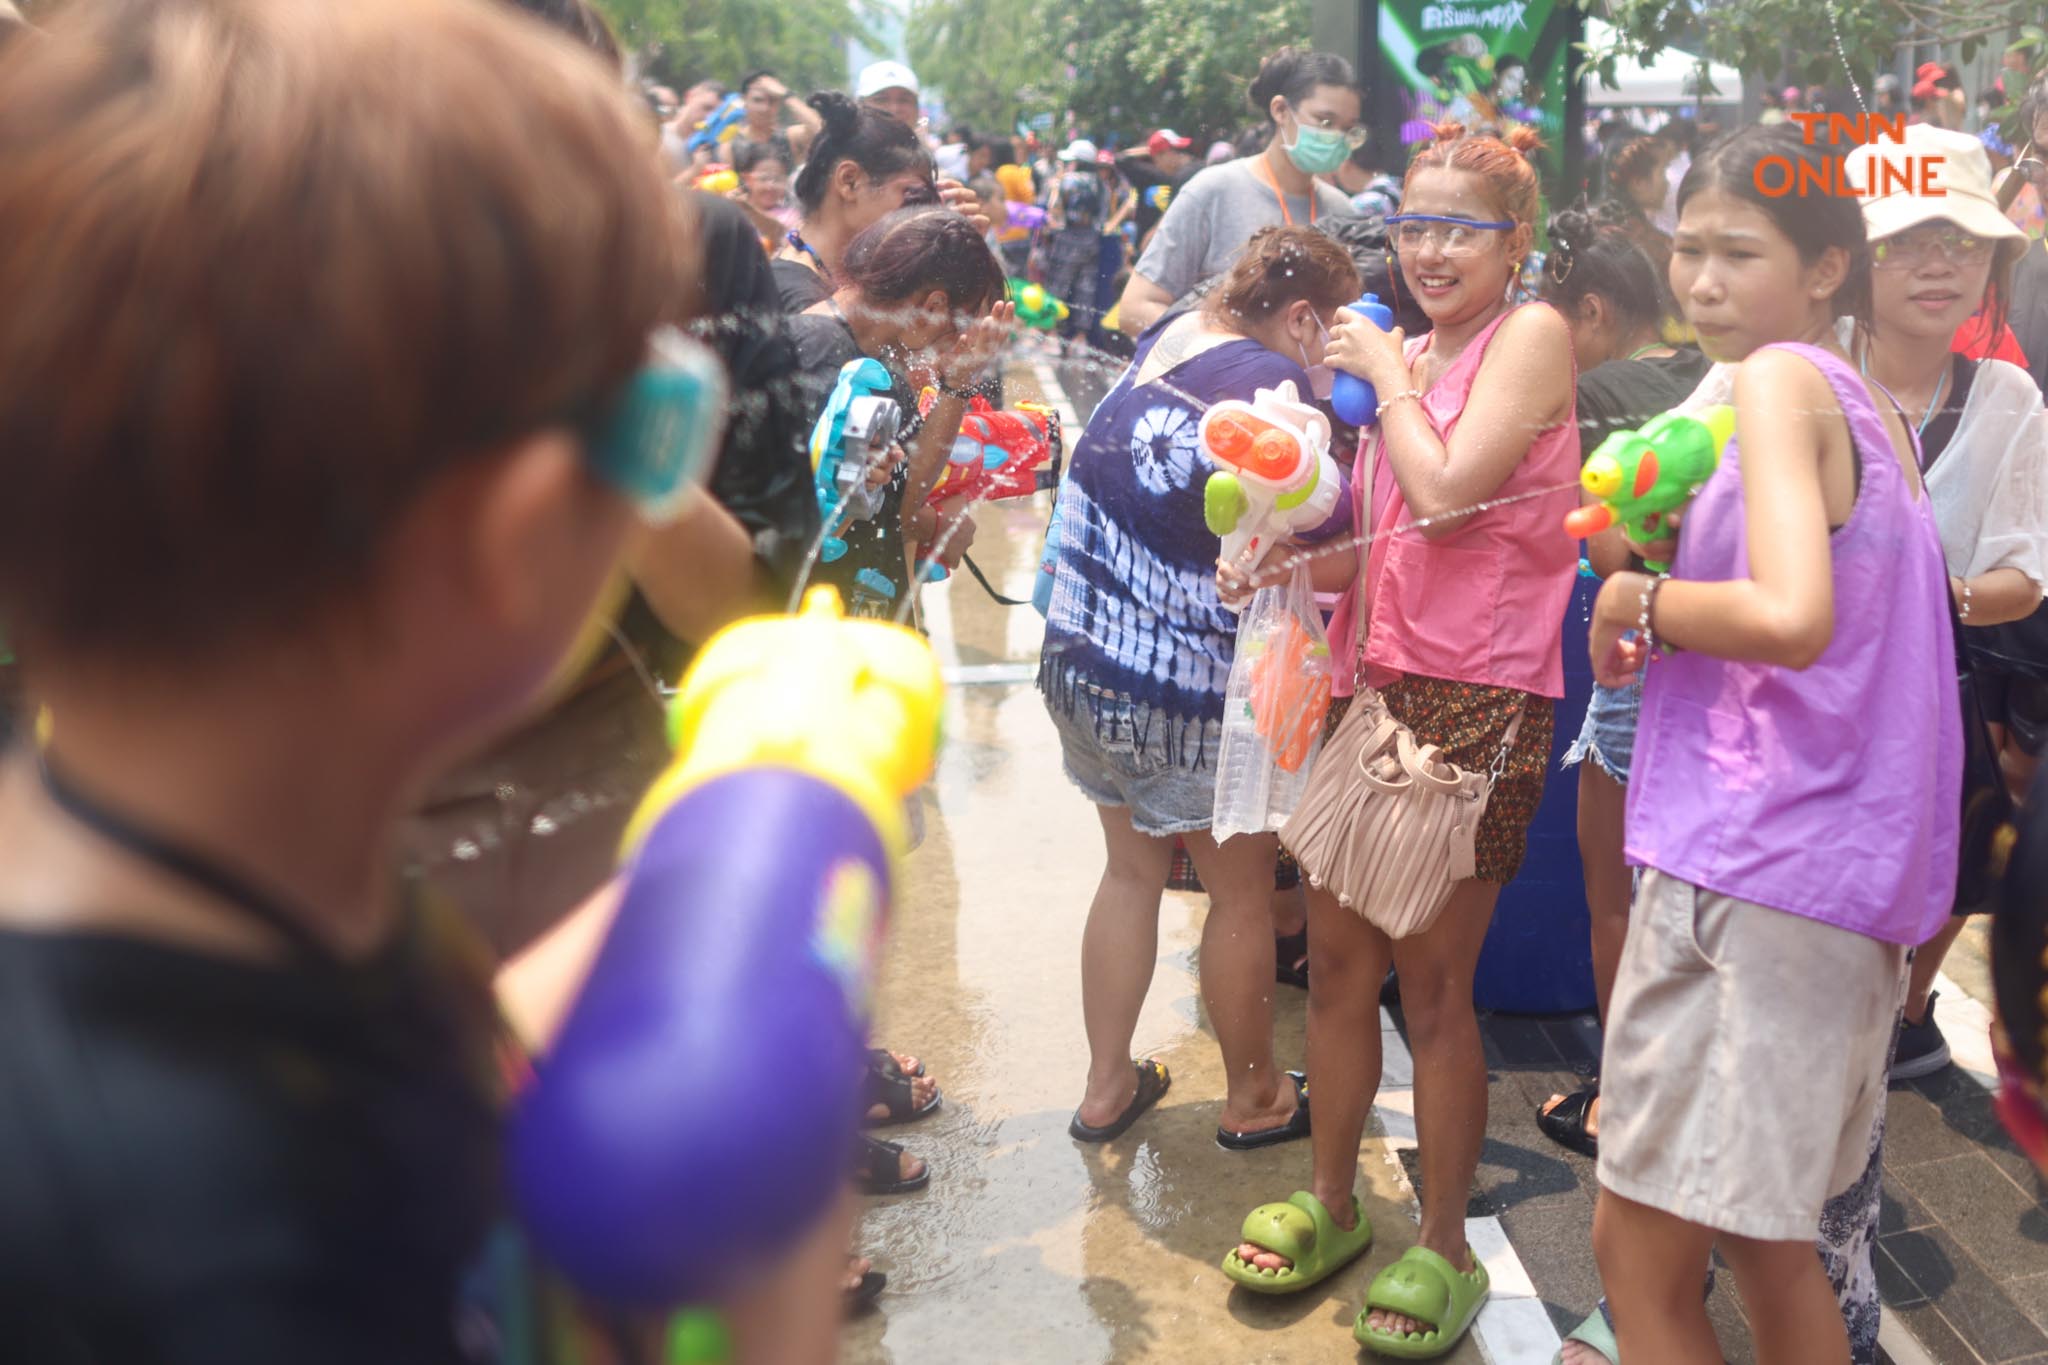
268,268
1280,265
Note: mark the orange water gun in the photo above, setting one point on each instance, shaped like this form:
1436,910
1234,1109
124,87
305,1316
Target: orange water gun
1291,693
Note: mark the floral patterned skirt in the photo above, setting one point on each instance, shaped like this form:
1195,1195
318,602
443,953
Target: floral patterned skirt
1467,722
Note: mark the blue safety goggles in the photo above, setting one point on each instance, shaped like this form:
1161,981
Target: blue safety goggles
1453,236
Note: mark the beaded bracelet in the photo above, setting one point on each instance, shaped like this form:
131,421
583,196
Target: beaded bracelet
1386,403
1649,609
1963,611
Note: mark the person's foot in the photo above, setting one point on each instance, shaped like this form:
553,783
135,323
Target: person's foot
1922,1050
1102,1104
1276,1114
861,1285
1343,1212
922,1089
1579,1353
857,1268
1379,1319
1592,1124
885,1168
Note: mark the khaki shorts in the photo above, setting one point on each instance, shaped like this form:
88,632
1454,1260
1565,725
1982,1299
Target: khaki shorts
1744,1062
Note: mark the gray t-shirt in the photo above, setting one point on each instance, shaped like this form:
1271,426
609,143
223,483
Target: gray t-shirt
1208,222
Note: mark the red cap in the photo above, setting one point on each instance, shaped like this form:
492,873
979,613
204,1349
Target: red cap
1166,138
1930,78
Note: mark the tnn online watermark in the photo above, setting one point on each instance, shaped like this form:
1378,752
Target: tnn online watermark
1901,173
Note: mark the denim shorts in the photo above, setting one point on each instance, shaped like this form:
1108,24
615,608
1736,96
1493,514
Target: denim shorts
1117,758
1609,735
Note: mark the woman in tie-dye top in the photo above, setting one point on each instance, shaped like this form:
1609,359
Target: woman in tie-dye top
1137,654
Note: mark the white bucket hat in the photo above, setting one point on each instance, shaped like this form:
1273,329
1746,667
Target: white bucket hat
1080,149
1932,158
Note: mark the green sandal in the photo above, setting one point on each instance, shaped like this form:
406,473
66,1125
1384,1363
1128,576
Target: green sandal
1303,1231
1593,1332
1424,1286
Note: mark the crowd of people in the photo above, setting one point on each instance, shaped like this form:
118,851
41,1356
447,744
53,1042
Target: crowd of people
320,324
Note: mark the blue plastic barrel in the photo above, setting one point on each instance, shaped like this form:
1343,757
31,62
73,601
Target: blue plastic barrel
1538,957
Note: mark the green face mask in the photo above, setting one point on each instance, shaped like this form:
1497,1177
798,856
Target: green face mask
1317,151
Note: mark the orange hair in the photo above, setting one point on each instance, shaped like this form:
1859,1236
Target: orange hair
1503,162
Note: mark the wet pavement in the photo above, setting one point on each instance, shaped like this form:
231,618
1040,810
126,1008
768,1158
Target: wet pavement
1030,1247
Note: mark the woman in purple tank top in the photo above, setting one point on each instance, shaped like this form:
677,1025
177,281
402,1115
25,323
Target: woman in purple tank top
1793,798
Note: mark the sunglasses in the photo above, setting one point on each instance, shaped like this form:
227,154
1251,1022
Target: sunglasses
1452,236
1910,250
657,437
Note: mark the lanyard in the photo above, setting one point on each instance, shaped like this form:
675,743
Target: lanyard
1265,173
189,865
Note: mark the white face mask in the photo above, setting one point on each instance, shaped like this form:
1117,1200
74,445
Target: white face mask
1322,380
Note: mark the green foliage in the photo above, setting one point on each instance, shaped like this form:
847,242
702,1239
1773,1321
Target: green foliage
991,60
1113,64
683,41
1761,37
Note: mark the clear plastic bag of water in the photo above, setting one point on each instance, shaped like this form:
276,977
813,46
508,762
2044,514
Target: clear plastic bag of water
1273,709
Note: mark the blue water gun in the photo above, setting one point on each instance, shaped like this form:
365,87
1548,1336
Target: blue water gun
1352,398
858,424
722,126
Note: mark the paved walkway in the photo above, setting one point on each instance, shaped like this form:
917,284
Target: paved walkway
1028,1247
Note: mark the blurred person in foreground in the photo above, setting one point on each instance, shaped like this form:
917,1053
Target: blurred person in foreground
253,1110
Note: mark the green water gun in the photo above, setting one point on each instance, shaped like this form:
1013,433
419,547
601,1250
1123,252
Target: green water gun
1641,476
1036,307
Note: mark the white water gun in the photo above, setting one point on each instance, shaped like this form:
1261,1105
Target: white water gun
1274,475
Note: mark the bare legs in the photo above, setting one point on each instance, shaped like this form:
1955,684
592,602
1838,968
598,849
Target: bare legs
1347,959
1121,944
1650,1262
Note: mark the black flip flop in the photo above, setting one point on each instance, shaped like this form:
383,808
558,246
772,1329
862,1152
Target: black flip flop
1565,1123
863,1295
1297,1125
1152,1083
884,1173
882,1060
1290,959
893,1091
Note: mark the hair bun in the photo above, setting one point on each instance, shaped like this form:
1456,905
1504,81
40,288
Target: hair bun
1574,228
1449,130
1524,139
841,114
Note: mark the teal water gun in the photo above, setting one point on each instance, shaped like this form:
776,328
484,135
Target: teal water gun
1642,476
855,429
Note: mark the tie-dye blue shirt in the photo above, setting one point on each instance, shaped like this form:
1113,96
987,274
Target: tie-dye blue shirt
1134,615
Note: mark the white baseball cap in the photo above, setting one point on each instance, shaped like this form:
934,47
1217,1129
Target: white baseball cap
1950,162
1080,149
876,77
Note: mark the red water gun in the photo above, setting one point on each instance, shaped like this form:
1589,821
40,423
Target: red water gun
998,452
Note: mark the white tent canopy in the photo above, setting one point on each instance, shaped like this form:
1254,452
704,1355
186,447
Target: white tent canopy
1668,79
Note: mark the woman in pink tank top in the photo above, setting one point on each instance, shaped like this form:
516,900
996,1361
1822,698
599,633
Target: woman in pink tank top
1458,626
1794,795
